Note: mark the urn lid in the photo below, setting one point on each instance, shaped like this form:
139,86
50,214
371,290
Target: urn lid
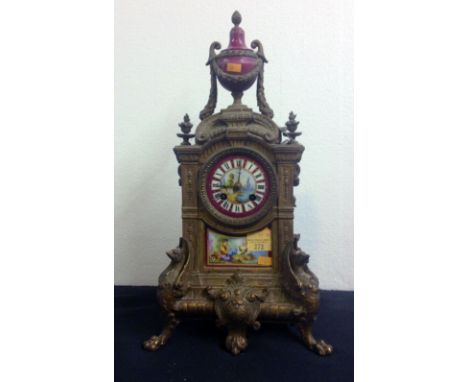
237,35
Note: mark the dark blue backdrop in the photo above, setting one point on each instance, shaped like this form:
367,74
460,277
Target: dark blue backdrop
196,351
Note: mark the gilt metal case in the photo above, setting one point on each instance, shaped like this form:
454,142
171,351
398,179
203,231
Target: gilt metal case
238,297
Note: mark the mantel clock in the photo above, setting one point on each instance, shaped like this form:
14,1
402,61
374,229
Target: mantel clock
238,259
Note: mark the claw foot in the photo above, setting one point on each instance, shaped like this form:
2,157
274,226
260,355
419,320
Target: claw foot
322,348
236,344
154,343
236,340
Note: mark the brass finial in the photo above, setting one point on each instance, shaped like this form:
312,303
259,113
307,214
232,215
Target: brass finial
290,129
236,18
185,126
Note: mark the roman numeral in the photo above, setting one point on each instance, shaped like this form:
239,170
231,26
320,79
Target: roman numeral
251,167
249,206
258,198
238,163
226,205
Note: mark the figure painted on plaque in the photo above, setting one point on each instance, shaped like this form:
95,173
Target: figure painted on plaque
223,253
231,250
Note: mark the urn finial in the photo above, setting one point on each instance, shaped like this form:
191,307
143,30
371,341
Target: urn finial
236,68
185,126
236,18
290,129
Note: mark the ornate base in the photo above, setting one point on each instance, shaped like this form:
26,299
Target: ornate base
239,302
237,306
236,340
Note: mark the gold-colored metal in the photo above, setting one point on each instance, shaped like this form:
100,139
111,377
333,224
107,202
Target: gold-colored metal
237,306
239,297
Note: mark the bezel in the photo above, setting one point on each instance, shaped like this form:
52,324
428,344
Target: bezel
228,217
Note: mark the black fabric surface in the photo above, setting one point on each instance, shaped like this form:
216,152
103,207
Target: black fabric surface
196,351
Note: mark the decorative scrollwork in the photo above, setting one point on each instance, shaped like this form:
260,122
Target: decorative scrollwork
212,53
299,281
170,289
257,44
237,82
303,286
171,277
237,307
261,99
213,97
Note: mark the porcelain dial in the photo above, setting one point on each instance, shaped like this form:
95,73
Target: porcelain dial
237,186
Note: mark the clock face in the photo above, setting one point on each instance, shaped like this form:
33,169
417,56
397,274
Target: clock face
238,186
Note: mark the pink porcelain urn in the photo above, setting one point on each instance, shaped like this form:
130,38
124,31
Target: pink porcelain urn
236,68
238,64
